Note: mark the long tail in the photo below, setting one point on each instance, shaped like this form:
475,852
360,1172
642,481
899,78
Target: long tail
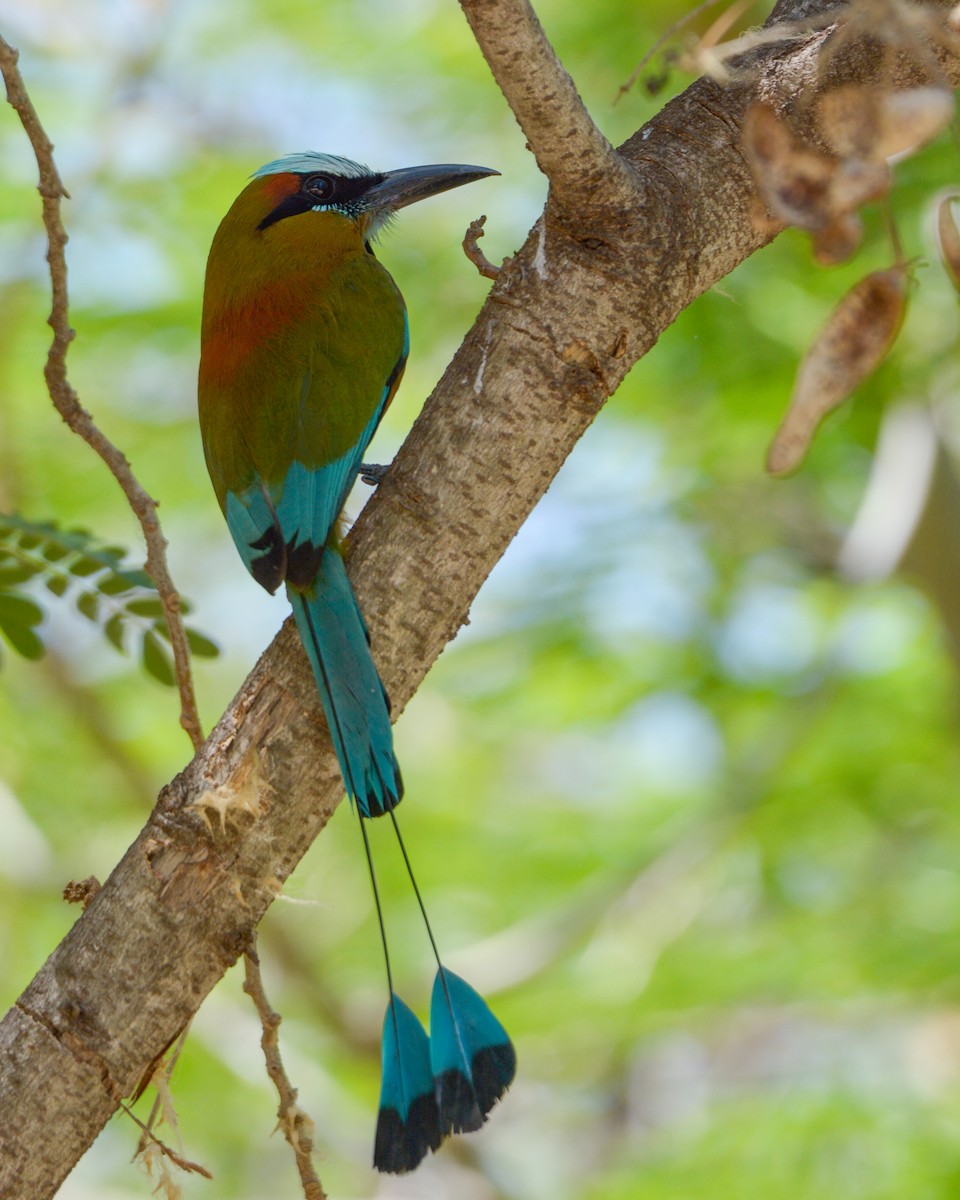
335,637
446,1083
357,708
408,1124
471,1056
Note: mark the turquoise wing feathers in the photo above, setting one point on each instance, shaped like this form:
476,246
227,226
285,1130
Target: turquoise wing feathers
281,526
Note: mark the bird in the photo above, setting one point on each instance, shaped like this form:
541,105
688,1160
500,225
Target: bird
304,339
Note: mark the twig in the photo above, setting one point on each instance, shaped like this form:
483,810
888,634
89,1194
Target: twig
149,1136
65,398
296,1125
158,1102
82,891
667,34
471,249
584,170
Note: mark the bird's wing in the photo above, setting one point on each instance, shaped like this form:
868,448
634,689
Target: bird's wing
284,446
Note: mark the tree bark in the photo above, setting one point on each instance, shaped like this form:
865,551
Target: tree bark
628,238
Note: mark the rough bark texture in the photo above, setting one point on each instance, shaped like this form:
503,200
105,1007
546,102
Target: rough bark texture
588,294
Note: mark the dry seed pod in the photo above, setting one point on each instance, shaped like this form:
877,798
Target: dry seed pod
949,237
838,241
850,346
849,120
791,177
912,117
876,124
856,182
801,185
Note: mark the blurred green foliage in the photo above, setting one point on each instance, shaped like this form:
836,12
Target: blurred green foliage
70,563
682,797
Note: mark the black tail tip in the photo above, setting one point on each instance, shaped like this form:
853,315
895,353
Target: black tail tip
401,1145
494,1068
381,795
457,1104
464,1104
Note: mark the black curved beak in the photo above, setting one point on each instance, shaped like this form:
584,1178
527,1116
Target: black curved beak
406,186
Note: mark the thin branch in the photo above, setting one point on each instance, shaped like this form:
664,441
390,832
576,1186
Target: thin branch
147,1136
583,168
296,1125
65,398
157,1108
680,23
471,248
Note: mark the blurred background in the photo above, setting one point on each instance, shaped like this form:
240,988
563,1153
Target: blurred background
682,797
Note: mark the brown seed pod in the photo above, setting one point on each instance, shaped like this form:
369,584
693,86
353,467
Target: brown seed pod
949,237
801,185
873,123
851,345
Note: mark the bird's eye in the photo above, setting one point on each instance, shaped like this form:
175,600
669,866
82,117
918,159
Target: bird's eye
318,187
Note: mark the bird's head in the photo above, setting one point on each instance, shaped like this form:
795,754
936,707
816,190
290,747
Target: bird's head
325,183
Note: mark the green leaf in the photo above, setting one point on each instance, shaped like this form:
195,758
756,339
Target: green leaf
57,584
85,566
155,661
138,578
148,606
202,646
198,642
20,609
114,585
89,604
13,572
17,618
112,597
23,640
114,629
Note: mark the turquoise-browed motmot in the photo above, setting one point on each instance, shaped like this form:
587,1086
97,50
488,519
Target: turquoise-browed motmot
304,341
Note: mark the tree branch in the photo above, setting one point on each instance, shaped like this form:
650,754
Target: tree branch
583,168
567,317
296,1125
67,402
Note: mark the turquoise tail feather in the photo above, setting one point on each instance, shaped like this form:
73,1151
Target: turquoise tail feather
472,1058
356,706
449,1082
407,1124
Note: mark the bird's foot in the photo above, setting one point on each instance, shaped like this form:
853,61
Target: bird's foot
373,473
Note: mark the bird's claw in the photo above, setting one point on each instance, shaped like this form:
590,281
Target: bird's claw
373,473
